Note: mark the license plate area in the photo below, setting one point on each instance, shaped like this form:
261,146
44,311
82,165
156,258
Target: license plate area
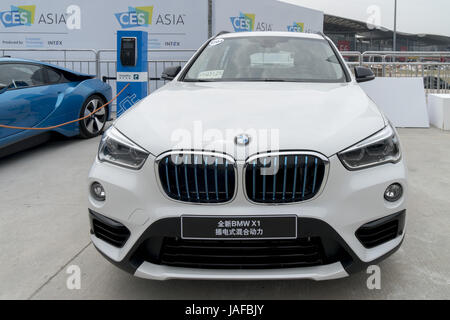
239,227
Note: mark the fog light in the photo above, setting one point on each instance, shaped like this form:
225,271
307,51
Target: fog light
98,192
394,192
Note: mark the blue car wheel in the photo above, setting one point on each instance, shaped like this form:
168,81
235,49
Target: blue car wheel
95,123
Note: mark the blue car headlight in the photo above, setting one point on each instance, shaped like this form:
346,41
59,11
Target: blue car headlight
117,149
383,147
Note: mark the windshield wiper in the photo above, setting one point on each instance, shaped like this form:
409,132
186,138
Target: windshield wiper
257,80
198,80
245,80
273,80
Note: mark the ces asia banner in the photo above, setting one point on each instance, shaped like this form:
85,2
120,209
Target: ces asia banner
92,24
264,15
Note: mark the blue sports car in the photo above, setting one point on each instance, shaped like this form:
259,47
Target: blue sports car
34,94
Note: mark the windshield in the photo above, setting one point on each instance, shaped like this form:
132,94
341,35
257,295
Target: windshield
266,58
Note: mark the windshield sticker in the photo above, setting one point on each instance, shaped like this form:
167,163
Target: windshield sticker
215,42
211,74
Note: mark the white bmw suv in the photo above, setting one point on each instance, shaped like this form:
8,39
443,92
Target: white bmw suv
261,159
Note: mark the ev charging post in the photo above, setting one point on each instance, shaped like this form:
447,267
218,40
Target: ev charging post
132,68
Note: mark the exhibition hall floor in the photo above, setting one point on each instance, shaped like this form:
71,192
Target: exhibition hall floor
44,228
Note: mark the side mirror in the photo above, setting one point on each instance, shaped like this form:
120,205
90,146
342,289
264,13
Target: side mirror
364,74
170,73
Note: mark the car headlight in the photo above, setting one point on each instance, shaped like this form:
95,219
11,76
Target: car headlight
382,147
117,149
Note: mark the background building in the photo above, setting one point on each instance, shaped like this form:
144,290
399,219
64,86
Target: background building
352,35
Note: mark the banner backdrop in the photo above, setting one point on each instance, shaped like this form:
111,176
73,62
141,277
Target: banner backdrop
92,24
264,15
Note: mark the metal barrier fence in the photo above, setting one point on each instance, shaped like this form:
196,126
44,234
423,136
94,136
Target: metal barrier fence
80,60
353,58
102,63
106,64
433,67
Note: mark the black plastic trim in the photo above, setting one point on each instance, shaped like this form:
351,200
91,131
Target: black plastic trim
111,224
25,144
331,241
399,217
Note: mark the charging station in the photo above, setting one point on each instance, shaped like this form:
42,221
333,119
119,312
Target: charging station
132,68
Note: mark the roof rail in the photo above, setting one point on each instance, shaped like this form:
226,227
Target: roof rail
320,33
221,33
5,56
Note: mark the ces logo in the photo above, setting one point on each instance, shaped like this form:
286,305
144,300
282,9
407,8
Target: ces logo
25,16
135,17
143,17
247,22
18,16
296,27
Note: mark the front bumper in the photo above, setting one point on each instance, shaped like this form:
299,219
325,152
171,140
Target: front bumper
156,272
348,201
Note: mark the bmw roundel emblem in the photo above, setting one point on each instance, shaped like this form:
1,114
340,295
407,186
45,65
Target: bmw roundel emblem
242,140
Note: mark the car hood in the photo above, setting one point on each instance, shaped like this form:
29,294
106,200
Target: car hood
325,118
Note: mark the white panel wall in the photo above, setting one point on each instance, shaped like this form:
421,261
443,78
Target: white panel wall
439,110
92,24
401,99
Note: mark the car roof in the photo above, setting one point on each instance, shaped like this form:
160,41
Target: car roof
9,59
271,34
19,60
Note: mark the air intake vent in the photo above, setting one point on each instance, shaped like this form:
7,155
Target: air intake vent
284,177
242,254
109,230
198,177
381,231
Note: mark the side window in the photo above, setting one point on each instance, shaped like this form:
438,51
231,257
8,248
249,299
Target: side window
5,77
53,76
16,75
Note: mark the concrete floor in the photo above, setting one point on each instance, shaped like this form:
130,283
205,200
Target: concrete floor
44,229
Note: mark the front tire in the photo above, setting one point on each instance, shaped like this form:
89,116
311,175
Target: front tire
94,124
